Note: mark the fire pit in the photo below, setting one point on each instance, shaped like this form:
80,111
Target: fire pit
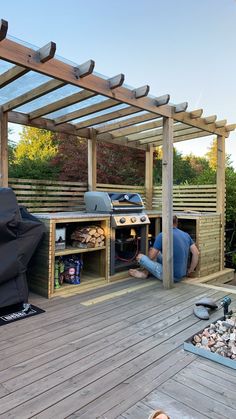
216,342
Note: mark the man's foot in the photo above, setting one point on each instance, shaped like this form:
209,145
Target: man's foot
137,274
158,414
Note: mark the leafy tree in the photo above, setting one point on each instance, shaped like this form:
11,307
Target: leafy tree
31,157
71,158
211,156
11,152
120,164
115,164
183,172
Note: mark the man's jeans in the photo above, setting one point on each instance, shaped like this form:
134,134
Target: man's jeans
154,267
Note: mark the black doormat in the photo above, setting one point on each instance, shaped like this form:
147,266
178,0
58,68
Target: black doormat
17,312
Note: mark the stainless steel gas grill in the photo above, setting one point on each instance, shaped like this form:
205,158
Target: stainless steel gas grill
128,225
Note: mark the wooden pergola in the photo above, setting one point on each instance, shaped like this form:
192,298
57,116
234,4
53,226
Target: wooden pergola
42,91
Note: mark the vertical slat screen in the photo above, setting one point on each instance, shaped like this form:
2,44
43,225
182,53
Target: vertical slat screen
200,198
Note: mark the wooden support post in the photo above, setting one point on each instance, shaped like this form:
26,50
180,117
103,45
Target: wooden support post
3,149
149,177
92,162
167,202
220,181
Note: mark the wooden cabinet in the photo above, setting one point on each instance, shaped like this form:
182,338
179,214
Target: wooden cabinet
95,260
205,230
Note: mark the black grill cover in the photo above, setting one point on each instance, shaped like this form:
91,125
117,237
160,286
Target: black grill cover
20,234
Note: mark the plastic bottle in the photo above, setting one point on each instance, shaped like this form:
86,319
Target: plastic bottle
56,274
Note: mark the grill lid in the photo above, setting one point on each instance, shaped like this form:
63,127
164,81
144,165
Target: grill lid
110,202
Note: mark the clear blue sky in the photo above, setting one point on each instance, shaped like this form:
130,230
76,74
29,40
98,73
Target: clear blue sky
182,47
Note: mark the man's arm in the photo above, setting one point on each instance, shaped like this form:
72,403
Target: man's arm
152,254
195,256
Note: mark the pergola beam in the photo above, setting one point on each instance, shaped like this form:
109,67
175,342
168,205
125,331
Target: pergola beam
199,123
130,110
141,91
134,129
181,107
210,119
62,103
47,52
33,94
143,137
12,74
220,124
123,143
127,122
185,137
231,127
116,81
161,100
48,124
156,132
3,29
43,55
83,70
196,114
97,107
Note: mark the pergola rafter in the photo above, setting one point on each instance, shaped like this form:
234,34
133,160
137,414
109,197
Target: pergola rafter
62,103
33,94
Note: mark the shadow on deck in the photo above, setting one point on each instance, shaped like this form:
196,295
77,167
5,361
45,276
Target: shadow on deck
115,352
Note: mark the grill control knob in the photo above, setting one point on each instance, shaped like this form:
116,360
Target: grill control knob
143,218
133,219
122,220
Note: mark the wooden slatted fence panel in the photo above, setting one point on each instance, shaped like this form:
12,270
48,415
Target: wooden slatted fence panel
200,198
49,196
53,196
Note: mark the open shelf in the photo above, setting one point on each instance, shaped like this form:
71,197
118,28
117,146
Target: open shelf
69,250
94,259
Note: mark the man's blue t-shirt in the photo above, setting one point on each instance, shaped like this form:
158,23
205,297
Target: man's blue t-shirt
181,245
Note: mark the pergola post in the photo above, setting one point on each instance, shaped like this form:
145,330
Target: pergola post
92,162
149,177
3,149
167,203
220,181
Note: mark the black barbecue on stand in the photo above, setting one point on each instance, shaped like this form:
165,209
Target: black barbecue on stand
128,225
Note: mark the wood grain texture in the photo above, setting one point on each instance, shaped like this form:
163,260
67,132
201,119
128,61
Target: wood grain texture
119,358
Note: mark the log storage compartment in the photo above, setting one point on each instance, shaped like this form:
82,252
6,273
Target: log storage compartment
73,254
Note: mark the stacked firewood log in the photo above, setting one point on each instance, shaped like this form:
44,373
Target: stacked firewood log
88,237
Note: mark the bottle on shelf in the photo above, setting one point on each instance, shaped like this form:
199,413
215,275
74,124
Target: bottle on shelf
56,274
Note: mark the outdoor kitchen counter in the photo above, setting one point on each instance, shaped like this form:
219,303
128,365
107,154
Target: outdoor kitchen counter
70,215
181,214
204,228
58,246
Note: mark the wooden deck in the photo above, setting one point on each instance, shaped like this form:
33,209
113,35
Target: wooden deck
113,353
